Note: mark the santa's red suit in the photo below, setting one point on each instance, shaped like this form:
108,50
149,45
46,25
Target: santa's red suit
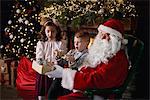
108,75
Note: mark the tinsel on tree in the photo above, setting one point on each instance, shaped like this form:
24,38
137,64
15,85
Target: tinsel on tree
86,12
22,29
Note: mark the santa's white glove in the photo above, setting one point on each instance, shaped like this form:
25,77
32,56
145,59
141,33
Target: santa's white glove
57,73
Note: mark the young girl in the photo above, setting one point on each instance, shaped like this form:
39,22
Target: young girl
49,43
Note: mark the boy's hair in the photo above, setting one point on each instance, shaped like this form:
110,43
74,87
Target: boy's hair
42,36
83,35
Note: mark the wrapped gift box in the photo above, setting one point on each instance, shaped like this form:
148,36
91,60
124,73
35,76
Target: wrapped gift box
3,67
41,69
4,75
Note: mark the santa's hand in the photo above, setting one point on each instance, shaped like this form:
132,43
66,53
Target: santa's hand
57,73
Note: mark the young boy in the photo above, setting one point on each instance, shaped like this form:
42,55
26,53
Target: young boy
73,59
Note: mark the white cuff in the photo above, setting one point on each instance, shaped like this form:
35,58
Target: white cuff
68,78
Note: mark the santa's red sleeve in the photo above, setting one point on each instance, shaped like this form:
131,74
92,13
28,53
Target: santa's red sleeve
108,75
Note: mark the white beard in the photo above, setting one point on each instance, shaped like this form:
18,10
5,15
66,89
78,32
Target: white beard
102,50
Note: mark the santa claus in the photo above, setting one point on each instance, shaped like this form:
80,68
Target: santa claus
105,66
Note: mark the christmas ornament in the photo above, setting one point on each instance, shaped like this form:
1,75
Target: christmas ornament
26,22
7,29
9,22
1,46
11,36
18,11
22,40
20,20
26,29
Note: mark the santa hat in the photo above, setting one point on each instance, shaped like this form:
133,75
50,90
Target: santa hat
113,27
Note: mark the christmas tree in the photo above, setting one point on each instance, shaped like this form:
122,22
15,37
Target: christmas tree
22,29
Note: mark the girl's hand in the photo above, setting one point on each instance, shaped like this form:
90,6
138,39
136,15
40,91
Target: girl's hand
51,65
58,53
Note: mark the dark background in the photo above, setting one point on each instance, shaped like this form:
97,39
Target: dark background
142,32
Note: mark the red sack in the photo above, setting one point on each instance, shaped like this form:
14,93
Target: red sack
26,78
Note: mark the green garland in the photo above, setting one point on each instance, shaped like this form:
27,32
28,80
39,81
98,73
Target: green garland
75,13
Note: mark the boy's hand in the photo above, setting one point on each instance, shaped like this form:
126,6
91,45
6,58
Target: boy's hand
58,53
70,58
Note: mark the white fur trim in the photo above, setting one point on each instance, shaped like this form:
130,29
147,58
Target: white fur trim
124,41
68,78
110,31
